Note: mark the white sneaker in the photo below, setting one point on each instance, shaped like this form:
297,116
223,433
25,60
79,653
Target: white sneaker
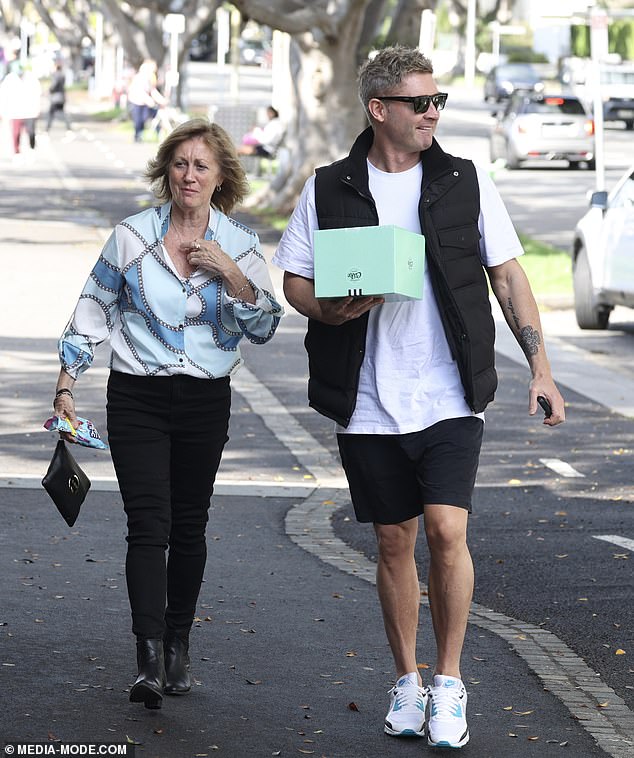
447,722
408,701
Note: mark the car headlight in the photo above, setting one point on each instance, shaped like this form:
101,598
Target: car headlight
538,86
507,87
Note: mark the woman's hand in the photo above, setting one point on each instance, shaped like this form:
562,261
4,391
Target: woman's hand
208,254
64,407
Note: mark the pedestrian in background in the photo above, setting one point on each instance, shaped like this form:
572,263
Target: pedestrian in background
407,382
264,141
20,94
32,103
57,97
144,99
175,289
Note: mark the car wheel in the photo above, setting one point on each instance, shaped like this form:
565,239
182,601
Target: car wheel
589,313
512,161
591,165
629,124
574,165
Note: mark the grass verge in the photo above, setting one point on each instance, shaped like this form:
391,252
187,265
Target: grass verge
548,269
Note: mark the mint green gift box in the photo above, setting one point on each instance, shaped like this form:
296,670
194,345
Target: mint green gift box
369,260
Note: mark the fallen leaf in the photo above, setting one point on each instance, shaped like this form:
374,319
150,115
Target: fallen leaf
507,708
514,481
422,665
512,735
620,651
350,654
254,681
603,705
353,707
522,713
532,739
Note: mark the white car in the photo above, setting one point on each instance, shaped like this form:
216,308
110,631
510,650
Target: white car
603,255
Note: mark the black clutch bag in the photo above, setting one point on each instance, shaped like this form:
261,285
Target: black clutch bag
66,483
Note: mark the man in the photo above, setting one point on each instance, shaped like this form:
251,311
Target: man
407,382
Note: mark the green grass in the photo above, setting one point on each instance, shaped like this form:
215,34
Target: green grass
548,269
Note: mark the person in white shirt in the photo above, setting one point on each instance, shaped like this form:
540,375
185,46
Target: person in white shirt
407,382
264,141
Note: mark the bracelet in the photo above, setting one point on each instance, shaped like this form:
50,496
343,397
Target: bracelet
245,286
64,391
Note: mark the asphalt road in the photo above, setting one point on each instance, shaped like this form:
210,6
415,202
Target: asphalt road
541,571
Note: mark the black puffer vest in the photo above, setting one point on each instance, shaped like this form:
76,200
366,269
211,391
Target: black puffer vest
449,208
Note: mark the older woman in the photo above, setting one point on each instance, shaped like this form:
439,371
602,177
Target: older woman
175,289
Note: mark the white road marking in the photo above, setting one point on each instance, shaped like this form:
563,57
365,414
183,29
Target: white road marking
615,539
560,467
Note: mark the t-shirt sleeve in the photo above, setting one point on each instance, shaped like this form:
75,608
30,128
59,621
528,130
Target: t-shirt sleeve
295,250
499,241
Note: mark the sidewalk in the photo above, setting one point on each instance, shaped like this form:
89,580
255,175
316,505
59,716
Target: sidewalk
289,654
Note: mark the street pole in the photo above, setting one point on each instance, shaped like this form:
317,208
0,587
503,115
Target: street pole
427,33
598,50
97,74
174,24
470,49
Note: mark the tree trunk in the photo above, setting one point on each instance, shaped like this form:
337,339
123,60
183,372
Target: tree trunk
327,112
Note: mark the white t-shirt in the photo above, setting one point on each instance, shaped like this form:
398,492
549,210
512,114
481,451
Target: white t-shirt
408,379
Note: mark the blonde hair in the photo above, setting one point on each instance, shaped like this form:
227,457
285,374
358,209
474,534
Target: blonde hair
235,186
382,73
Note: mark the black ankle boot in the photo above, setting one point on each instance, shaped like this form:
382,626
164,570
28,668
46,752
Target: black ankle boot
150,683
177,665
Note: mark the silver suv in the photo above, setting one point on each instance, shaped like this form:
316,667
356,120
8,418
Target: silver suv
602,255
536,127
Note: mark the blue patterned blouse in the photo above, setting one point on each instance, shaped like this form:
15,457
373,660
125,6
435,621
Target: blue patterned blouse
159,323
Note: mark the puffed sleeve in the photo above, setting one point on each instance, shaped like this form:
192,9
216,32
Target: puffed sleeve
95,313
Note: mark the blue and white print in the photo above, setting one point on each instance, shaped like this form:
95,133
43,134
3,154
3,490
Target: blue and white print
159,323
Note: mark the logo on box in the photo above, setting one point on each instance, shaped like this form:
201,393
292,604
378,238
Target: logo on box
354,274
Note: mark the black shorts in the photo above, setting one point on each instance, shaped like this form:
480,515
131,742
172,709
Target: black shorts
393,476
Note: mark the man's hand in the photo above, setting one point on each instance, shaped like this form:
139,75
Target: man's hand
338,311
552,394
300,293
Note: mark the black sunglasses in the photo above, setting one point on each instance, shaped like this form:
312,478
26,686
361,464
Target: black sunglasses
420,103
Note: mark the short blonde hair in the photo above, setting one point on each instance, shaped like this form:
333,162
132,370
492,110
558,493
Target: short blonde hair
235,186
381,74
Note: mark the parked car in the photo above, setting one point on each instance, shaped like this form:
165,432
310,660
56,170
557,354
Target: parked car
543,128
503,80
603,255
255,52
617,87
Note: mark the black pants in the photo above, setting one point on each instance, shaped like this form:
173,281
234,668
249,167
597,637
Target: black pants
57,108
166,437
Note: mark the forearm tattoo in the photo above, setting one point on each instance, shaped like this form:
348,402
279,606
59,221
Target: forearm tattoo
528,337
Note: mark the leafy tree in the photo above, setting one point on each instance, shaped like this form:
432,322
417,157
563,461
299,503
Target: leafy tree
329,40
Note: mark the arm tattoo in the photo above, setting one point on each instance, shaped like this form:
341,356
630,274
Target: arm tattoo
528,337
529,340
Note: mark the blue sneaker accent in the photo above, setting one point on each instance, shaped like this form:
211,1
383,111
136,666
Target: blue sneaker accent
447,723
406,716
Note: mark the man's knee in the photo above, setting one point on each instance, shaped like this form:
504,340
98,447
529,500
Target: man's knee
445,528
396,541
